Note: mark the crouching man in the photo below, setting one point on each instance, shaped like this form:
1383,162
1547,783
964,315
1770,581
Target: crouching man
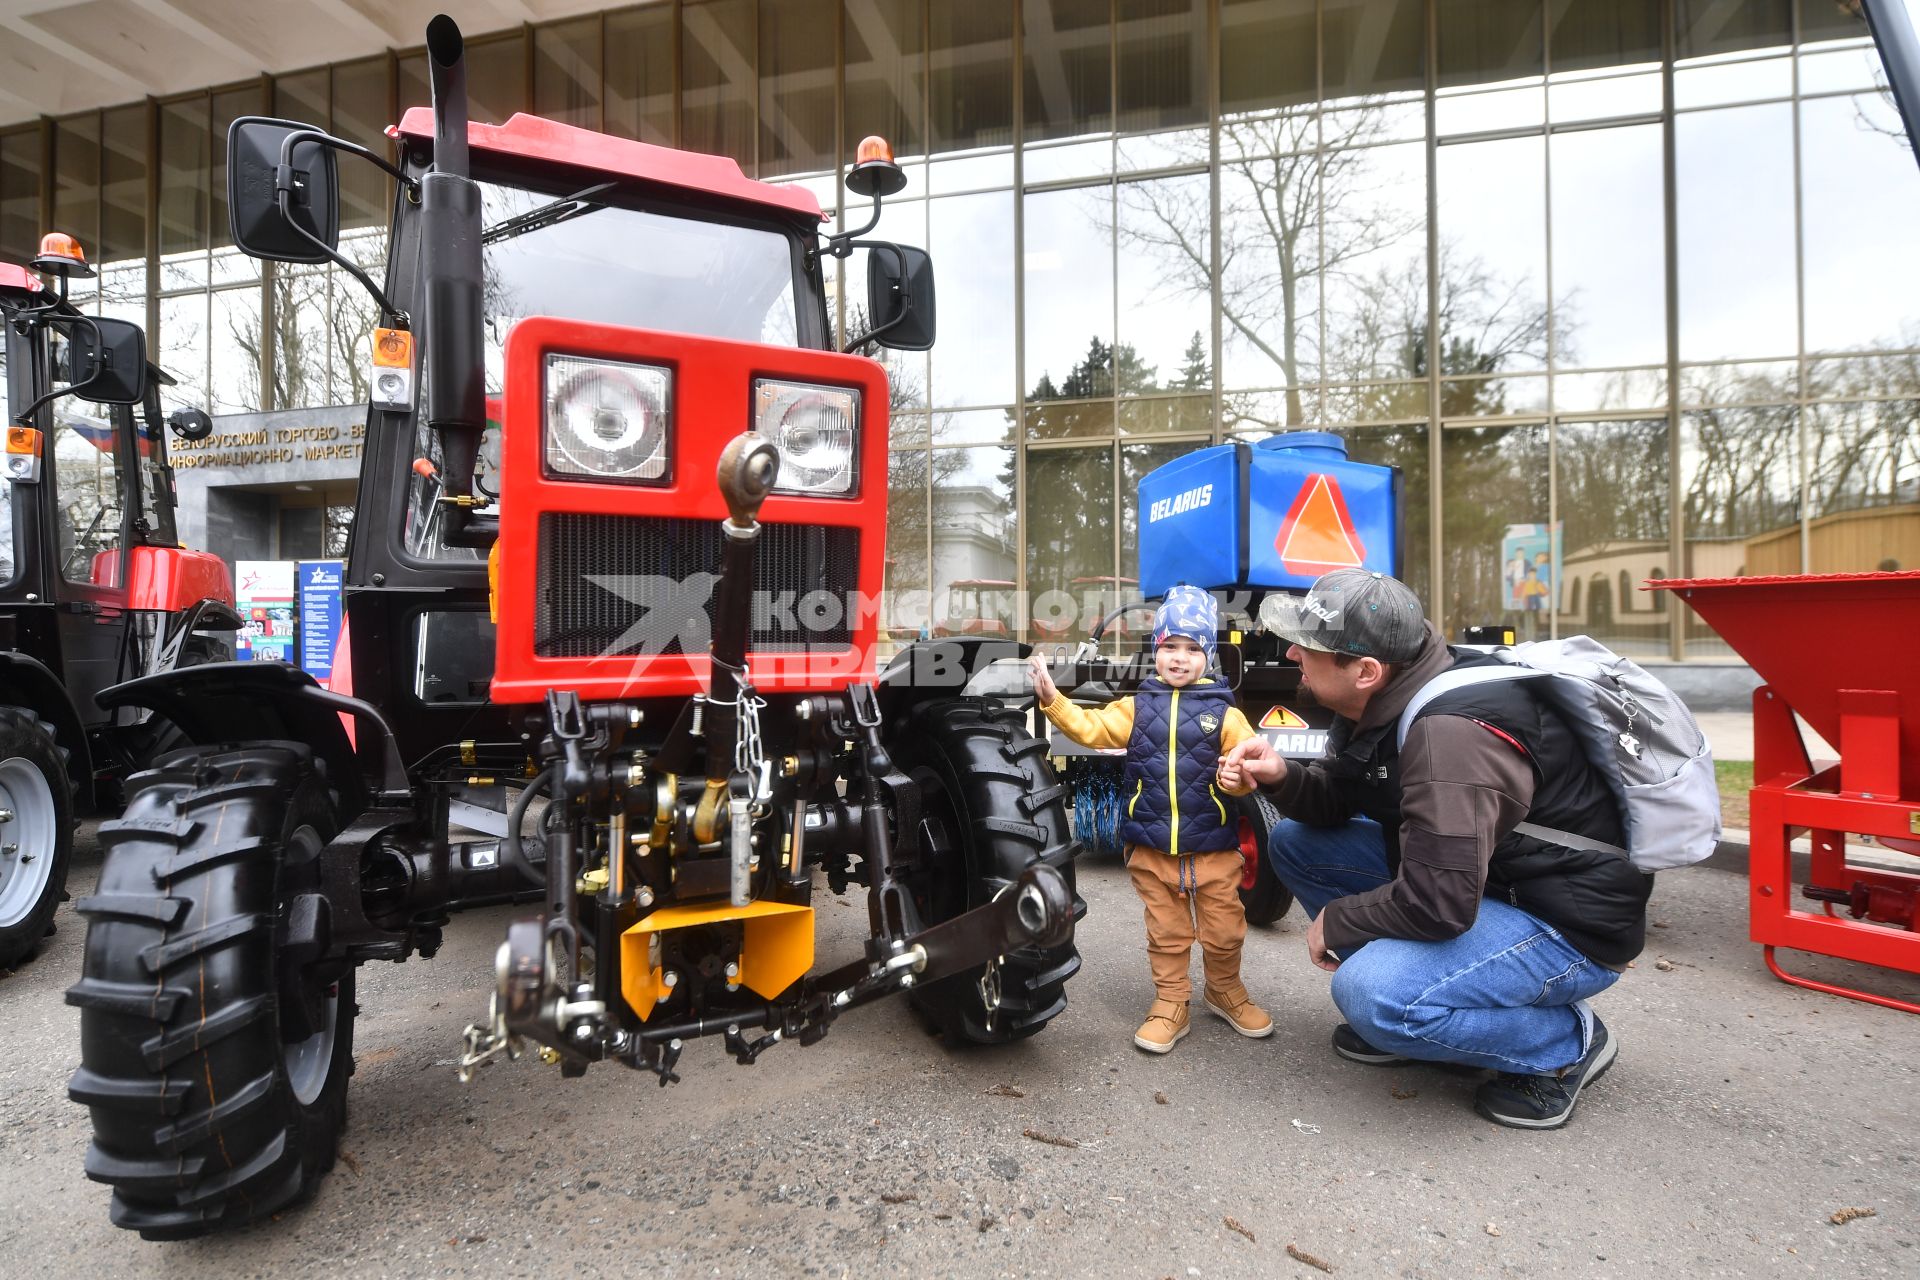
1452,935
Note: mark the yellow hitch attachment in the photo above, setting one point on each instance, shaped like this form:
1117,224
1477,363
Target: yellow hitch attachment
776,950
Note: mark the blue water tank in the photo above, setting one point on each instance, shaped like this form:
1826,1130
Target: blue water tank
1276,514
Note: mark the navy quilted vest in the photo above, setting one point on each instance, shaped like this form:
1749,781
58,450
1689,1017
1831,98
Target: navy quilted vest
1172,803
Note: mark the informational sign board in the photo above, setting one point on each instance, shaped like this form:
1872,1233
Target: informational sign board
1528,554
319,616
264,596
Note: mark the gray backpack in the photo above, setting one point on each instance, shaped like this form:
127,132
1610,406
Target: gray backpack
1634,731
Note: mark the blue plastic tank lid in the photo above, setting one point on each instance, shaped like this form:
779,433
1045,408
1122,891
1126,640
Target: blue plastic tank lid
1321,444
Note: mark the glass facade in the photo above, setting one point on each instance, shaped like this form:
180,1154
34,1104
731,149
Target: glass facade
1636,273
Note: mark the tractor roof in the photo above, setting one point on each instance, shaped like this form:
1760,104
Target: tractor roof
13,277
535,138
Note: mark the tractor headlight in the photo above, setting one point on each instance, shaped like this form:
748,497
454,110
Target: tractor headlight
816,429
608,420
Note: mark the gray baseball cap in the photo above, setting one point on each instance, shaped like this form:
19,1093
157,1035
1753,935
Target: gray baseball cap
1368,615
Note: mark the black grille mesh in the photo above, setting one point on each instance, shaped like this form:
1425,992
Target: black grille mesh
655,585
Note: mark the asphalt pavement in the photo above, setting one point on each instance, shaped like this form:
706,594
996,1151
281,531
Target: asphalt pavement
1742,1115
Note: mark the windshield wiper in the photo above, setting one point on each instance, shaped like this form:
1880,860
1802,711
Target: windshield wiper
546,215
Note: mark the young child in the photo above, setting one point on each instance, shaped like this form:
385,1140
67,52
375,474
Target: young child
1183,843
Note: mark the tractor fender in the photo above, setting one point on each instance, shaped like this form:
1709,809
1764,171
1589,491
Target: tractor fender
218,702
211,614
27,682
947,667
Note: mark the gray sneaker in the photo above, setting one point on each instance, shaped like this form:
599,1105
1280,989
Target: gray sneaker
1545,1102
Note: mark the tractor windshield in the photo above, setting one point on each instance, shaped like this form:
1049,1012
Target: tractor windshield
584,260
549,253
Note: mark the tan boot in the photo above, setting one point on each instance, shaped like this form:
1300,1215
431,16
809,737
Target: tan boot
1167,1023
1241,1013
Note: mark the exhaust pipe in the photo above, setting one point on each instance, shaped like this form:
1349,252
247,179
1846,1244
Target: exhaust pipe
450,269
447,65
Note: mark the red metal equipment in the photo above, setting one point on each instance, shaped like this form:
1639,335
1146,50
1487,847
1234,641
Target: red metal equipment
1843,651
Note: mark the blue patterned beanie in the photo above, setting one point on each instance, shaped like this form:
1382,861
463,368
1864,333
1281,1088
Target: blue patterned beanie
1190,612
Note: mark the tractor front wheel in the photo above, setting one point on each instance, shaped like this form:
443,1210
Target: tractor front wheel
1262,893
36,831
214,1063
990,808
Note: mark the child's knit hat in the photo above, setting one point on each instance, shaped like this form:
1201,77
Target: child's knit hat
1190,612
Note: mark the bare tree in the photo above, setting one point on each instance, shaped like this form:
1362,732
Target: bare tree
1299,210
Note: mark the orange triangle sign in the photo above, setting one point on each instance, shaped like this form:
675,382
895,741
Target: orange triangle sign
1318,534
1281,718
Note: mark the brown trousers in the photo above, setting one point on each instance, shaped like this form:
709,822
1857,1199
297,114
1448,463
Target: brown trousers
1208,911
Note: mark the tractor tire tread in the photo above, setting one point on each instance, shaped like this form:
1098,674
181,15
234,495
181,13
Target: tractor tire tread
158,1175
1028,832
986,754
145,1097
162,1051
129,999
165,955
188,861
195,1122
132,906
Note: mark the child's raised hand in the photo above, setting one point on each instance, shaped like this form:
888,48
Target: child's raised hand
1043,685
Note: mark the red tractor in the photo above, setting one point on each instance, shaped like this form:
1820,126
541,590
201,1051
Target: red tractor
94,586
614,658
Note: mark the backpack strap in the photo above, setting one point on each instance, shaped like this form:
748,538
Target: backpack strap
1457,678
1567,839
1466,677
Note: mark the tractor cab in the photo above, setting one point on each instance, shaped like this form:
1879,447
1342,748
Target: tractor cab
87,537
94,586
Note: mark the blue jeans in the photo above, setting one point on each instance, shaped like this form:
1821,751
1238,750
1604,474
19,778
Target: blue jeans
1509,994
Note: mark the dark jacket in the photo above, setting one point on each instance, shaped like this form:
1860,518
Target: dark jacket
1477,761
1172,754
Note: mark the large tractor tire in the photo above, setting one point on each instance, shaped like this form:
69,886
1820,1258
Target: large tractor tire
1262,893
215,1067
991,808
36,831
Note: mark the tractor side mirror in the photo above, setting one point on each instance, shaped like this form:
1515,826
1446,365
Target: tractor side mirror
109,361
190,424
283,202
899,298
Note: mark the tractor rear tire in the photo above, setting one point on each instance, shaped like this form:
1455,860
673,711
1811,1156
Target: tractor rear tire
215,1072
36,838
1263,895
991,808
